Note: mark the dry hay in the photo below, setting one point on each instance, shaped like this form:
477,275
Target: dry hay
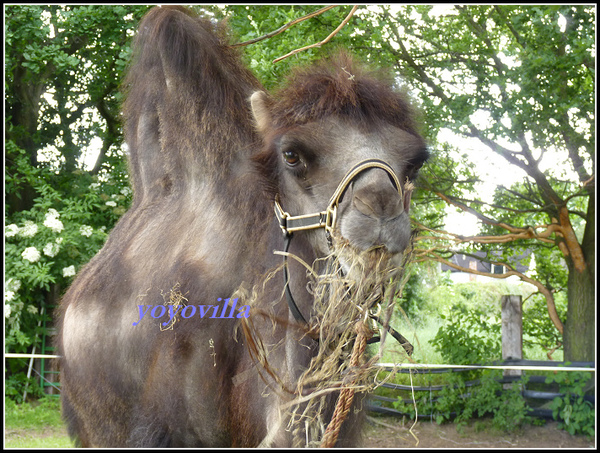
342,320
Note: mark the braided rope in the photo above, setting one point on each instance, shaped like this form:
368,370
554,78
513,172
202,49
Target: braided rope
346,396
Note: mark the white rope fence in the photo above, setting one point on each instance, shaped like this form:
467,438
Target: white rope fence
31,356
414,366
488,367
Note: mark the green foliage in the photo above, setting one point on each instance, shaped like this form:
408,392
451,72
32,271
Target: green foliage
429,294
521,80
538,329
469,336
455,401
16,384
414,295
471,332
251,22
451,399
503,57
46,245
64,65
572,411
472,336
63,68
508,408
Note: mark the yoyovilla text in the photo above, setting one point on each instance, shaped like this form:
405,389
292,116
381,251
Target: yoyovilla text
187,311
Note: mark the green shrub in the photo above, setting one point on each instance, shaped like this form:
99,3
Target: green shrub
472,336
572,411
460,403
16,383
538,328
46,245
469,337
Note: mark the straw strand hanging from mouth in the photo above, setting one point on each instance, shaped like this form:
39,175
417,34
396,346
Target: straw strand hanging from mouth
341,320
343,303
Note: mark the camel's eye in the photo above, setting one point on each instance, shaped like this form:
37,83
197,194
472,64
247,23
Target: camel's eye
291,158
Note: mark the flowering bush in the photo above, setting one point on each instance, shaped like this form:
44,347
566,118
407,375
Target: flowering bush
48,244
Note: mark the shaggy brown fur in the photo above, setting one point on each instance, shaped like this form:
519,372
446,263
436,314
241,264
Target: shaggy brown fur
339,86
185,83
201,224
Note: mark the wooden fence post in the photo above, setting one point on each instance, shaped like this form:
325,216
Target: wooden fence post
512,331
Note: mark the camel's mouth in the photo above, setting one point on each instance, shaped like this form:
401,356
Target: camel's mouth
374,264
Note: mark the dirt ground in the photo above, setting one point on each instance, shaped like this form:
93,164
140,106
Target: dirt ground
390,432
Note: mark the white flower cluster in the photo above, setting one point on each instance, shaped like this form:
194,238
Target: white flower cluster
52,221
31,254
68,271
29,229
51,249
11,287
11,230
86,230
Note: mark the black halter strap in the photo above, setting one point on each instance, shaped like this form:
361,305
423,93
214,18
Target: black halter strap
286,281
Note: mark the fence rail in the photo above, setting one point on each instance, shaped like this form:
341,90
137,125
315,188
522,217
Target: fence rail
11,355
375,403
535,365
406,368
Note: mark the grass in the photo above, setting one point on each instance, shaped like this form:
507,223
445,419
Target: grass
35,425
38,440
419,337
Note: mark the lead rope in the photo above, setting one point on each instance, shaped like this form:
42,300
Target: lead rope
344,402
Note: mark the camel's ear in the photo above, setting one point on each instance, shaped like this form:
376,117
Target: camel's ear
261,112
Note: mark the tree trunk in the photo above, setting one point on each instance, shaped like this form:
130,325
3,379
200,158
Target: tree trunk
580,327
579,333
22,128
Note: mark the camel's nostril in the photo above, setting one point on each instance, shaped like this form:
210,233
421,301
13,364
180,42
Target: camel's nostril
383,203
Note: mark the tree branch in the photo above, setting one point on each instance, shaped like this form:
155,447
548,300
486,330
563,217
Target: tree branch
512,29
285,27
325,41
516,233
112,132
524,197
405,56
479,215
424,255
573,248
